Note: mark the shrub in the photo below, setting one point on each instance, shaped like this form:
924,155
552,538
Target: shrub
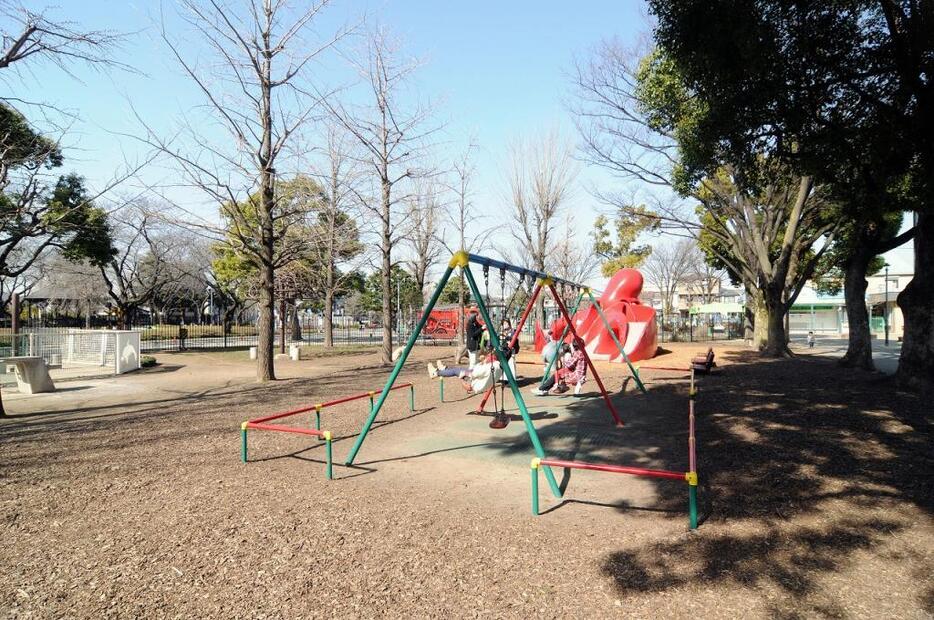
147,361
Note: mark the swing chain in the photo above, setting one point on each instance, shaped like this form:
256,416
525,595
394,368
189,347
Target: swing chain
502,291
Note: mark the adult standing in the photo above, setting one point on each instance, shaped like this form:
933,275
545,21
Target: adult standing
473,333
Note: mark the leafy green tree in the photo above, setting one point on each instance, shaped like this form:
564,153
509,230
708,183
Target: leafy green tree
405,292
640,119
39,211
452,291
841,91
622,252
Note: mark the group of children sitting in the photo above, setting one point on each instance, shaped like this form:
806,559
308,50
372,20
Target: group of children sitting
484,370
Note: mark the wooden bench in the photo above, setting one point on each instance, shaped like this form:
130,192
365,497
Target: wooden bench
704,362
32,374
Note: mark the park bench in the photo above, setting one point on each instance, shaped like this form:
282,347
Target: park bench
703,362
32,373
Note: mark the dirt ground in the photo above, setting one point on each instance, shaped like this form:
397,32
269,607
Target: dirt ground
126,497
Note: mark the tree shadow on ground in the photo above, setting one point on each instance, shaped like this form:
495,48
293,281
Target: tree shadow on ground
179,415
802,465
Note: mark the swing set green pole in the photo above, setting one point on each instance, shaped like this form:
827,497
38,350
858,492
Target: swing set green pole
399,363
504,366
462,260
564,335
606,323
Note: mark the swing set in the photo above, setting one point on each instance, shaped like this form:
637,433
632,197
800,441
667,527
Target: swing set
568,327
462,260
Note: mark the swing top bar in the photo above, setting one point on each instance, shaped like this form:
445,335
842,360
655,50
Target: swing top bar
460,259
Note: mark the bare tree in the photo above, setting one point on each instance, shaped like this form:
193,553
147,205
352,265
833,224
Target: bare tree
30,34
541,173
707,278
392,137
337,230
73,285
139,266
424,213
185,266
668,267
25,282
463,218
572,260
256,88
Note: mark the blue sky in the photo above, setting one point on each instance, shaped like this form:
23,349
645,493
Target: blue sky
495,70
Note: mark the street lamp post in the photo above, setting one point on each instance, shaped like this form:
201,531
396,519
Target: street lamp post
885,308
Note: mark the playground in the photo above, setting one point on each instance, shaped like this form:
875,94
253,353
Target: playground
130,496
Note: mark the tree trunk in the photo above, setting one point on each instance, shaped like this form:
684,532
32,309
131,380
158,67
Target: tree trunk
328,317
386,351
266,329
749,322
769,334
265,341
859,348
760,327
283,324
916,364
295,325
123,311
777,344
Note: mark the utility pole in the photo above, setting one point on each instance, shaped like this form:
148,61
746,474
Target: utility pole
885,308
14,324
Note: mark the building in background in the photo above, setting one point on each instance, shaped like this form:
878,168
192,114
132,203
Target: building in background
880,299
821,314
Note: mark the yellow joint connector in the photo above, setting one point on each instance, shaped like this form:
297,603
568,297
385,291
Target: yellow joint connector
372,394
459,259
243,426
586,290
691,477
546,281
318,407
536,463
326,435
692,393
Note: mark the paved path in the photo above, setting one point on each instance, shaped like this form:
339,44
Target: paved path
884,357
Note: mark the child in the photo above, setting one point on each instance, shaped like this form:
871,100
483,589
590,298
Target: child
810,340
505,337
572,372
477,378
550,349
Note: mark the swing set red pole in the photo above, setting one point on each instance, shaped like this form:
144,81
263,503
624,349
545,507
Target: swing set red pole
515,336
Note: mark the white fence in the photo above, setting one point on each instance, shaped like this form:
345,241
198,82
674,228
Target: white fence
110,351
